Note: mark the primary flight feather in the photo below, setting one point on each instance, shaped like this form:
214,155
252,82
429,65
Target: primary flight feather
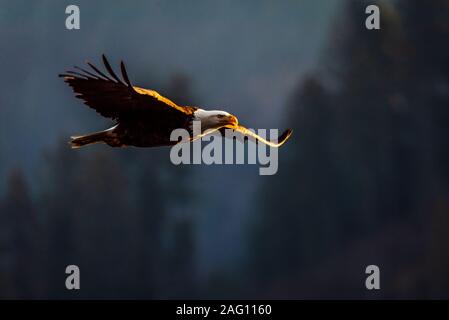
144,118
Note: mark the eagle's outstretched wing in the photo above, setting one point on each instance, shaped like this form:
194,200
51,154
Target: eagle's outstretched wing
250,134
115,98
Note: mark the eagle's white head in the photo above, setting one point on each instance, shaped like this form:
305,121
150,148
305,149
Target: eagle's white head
215,119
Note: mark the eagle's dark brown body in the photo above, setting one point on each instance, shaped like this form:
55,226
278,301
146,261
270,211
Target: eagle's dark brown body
145,132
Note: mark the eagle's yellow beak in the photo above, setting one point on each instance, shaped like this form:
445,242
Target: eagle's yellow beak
233,122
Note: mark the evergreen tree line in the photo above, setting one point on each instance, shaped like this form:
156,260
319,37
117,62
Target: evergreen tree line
367,180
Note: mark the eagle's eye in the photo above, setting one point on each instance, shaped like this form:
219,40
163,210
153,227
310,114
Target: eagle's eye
220,116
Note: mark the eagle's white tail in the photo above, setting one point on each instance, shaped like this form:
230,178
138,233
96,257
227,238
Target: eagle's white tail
107,136
97,137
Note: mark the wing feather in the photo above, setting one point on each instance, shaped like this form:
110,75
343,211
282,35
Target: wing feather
74,73
98,71
110,70
114,98
125,74
88,73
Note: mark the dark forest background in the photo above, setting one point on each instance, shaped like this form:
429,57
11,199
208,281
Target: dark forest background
363,180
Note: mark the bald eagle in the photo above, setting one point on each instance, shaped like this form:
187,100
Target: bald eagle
144,118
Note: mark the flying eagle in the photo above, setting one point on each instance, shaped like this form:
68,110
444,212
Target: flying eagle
144,118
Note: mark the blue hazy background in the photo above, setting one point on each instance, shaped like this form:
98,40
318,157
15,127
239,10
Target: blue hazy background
364,179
